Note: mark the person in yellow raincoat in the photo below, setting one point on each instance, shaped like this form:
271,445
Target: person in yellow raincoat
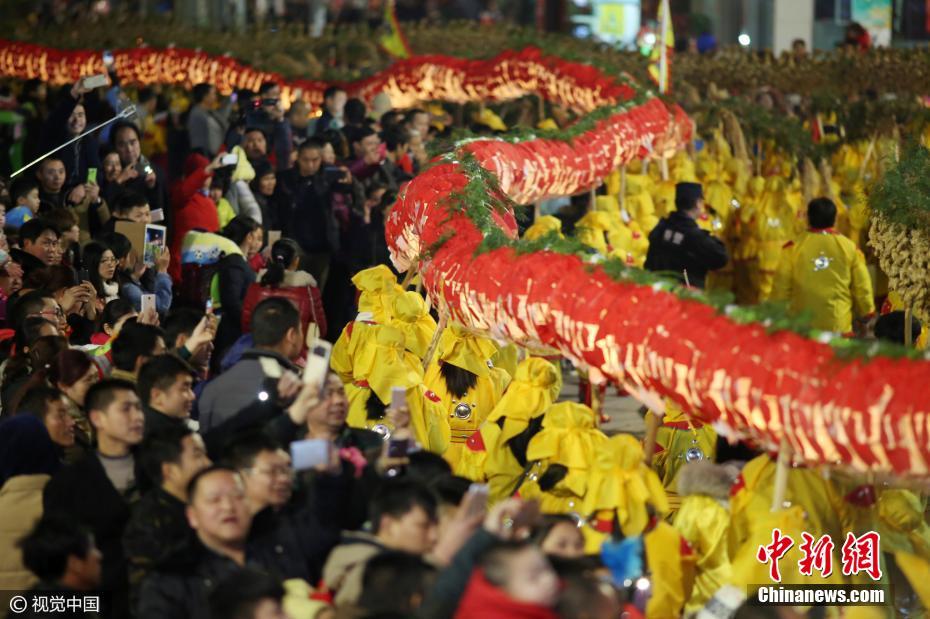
497,452
824,273
465,384
680,440
638,202
745,253
774,225
622,491
383,364
377,288
704,519
603,231
543,226
563,453
625,498
410,314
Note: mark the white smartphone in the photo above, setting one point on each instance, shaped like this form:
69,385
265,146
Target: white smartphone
230,159
148,302
96,81
310,453
158,215
478,502
318,363
398,398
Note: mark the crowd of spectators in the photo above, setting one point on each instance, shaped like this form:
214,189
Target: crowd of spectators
144,442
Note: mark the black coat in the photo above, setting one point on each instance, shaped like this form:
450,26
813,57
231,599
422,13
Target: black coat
307,211
84,493
296,527
677,244
29,262
157,536
235,277
156,421
185,591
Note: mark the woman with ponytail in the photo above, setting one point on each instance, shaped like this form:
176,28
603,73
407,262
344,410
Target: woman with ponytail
283,278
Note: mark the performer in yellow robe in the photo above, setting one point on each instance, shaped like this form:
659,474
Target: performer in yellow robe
564,452
465,384
824,273
680,440
704,519
535,386
543,226
382,364
377,288
410,315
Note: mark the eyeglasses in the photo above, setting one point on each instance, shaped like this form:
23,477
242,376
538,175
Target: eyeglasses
57,313
109,260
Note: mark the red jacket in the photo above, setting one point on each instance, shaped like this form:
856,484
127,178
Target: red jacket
482,599
192,209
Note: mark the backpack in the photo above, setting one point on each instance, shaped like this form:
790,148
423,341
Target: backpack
201,253
308,300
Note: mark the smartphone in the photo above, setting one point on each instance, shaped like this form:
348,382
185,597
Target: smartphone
478,501
318,363
158,215
309,453
92,175
398,447
83,275
148,302
269,102
107,58
398,398
145,165
333,174
234,96
230,159
527,516
95,81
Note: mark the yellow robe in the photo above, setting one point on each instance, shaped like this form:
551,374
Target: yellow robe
704,522
481,400
671,563
824,273
675,438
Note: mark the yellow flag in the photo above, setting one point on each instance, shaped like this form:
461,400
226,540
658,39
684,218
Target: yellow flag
660,60
393,41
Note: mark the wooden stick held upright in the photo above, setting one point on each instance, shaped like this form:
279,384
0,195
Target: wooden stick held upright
411,273
440,327
652,431
781,474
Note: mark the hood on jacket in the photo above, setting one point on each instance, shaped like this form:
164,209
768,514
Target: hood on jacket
343,571
705,477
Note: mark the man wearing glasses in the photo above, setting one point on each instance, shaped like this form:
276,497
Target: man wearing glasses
40,246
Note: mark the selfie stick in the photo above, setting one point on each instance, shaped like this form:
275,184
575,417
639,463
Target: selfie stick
129,111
